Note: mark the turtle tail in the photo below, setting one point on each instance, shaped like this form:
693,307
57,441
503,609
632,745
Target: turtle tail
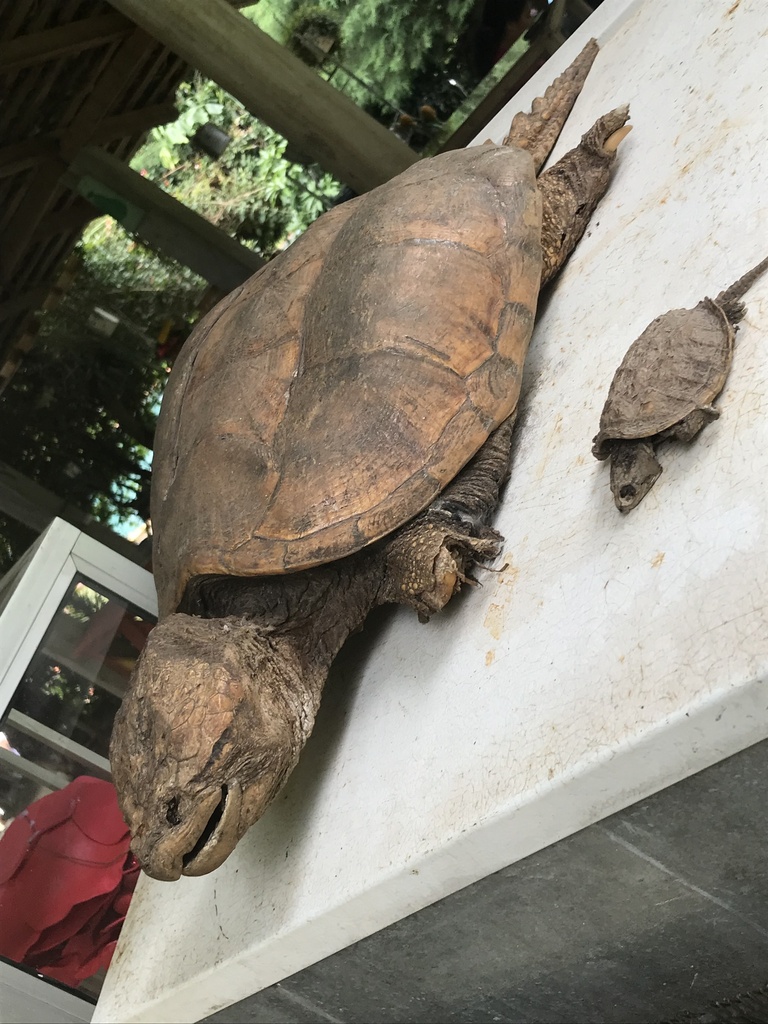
728,300
538,131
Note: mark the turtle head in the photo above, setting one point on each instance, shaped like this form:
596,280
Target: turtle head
204,740
634,471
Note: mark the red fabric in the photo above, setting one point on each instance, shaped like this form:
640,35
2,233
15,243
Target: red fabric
66,879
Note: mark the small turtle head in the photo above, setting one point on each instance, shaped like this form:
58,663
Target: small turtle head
202,743
634,471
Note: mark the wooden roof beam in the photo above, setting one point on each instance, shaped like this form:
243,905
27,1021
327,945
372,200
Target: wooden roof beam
62,41
108,90
20,156
133,123
72,219
36,202
161,221
276,87
20,303
43,185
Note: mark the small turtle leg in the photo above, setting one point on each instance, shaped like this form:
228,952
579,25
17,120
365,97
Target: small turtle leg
694,423
427,561
634,471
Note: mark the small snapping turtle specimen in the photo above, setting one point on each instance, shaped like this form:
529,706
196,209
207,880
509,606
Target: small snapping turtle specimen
665,387
310,423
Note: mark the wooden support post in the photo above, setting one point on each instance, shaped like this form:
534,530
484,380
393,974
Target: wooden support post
276,87
160,220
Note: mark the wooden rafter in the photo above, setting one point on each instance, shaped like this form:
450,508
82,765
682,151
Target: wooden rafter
72,218
275,86
63,40
20,303
22,155
43,185
33,207
107,91
132,122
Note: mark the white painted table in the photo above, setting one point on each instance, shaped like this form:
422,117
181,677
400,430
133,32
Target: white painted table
614,656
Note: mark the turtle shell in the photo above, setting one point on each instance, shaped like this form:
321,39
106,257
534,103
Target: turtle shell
331,397
679,363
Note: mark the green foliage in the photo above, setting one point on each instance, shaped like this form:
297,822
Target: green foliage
251,190
167,138
308,22
271,18
388,44
391,55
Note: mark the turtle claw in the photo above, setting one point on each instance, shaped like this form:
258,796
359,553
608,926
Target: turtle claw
428,562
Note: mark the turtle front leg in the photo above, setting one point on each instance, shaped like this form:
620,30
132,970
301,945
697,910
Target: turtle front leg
427,561
692,424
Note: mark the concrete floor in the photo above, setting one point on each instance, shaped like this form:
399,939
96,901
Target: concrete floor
656,910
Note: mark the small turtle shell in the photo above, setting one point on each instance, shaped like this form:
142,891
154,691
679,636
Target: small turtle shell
330,399
679,363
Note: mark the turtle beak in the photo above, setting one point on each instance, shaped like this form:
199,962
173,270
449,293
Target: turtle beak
201,843
218,832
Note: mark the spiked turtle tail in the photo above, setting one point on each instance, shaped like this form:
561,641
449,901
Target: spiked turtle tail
538,131
728,300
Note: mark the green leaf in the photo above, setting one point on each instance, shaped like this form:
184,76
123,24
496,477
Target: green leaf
176,134
166,157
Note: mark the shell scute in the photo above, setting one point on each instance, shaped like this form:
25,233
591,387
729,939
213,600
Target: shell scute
334,395
679,363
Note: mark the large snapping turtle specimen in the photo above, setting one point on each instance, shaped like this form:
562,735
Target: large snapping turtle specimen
333,437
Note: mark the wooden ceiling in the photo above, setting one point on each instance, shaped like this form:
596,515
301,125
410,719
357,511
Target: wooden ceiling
72,73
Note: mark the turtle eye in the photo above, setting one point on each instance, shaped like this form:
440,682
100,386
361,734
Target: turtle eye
172,812
627,491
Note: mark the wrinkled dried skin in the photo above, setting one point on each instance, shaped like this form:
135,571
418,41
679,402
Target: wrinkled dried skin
572,188
188,775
